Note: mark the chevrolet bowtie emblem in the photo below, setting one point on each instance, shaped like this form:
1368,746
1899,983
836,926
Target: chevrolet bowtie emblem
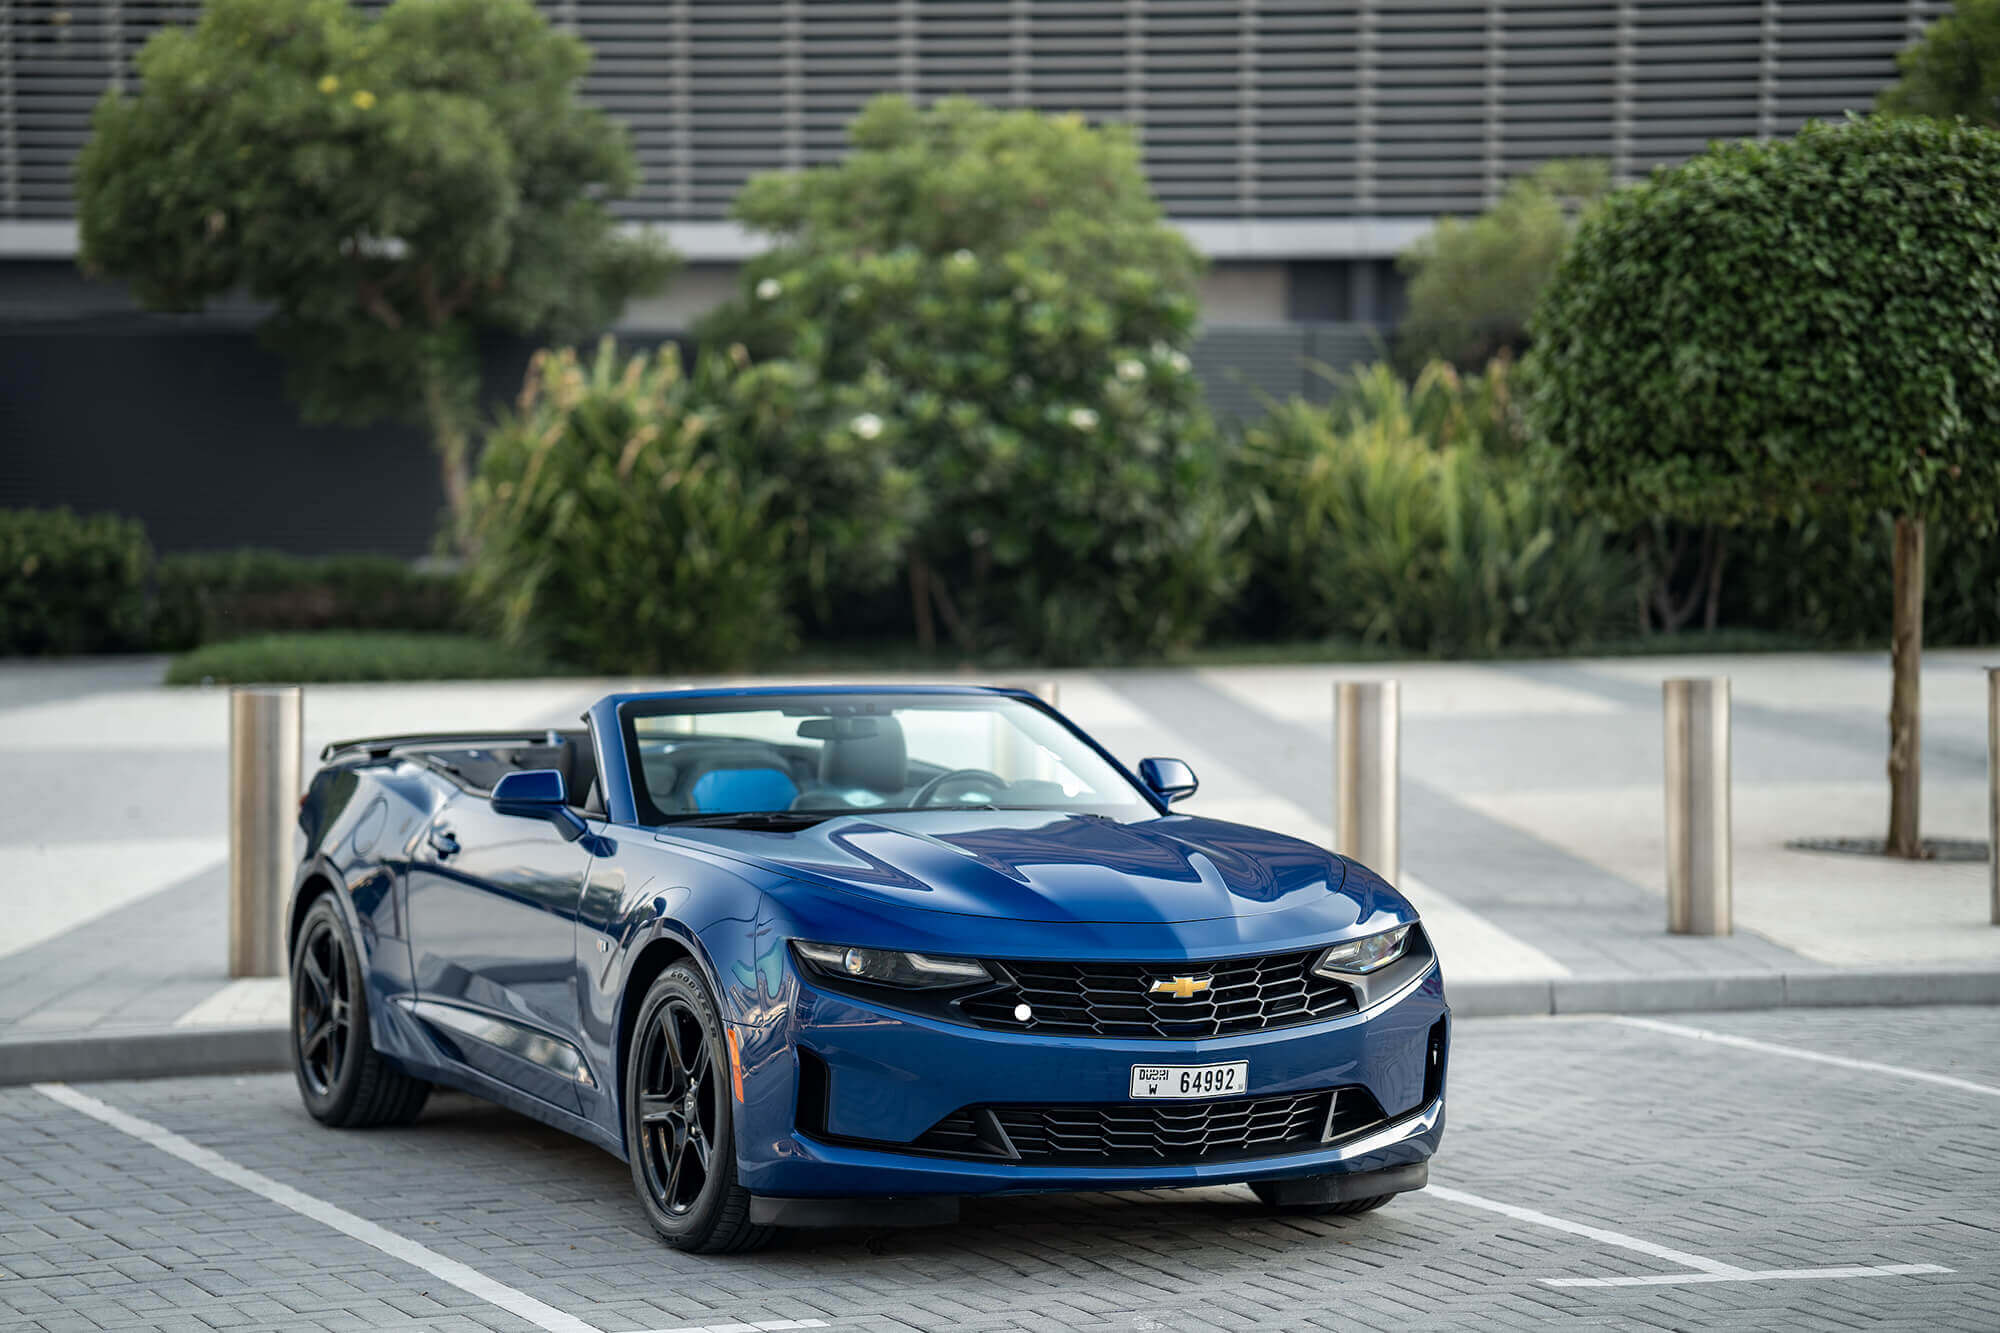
1184,988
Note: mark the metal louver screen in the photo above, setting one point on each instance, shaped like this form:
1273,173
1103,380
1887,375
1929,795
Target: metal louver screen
1268,110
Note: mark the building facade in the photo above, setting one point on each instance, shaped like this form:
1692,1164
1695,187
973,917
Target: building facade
1302,144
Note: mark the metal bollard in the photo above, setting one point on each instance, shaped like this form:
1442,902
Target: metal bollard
1367,774
1698,827
1993,785
266,740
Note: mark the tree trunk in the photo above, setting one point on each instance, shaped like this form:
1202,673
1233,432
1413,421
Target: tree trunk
452,438
1905,715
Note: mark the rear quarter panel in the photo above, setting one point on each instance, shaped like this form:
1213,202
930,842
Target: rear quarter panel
361,824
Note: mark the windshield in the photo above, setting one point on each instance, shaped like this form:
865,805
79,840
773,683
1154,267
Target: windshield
812,757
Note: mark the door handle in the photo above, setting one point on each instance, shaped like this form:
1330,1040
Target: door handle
444,843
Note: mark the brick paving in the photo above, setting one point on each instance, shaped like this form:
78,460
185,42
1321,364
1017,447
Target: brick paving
1749,1159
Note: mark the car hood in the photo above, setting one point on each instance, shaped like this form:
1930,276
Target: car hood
1033,865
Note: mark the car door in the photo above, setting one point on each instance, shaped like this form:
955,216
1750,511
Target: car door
492,919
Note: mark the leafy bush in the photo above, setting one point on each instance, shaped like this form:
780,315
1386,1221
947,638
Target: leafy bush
208,596
1439,405
1004,284
349,655
616,527
72,583
829,451
1827,579
1367,529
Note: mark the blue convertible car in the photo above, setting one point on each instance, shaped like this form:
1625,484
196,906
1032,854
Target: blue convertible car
817,956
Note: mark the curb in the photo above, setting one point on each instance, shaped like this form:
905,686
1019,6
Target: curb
1694,991
182,1052
159,1053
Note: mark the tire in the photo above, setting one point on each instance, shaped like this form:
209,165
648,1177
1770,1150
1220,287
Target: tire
1266,1193
342,1080
680,1128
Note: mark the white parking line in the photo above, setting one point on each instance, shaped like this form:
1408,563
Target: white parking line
1800,1053
1749,1275
769,1326
459,1275
1598,1234
1705,1270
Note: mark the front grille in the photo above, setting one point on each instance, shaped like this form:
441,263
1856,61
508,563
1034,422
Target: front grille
1154,1133
1116,999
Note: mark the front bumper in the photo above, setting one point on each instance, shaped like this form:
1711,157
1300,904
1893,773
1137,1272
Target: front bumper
890,1076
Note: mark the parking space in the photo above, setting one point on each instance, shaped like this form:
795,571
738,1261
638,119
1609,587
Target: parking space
1601,1170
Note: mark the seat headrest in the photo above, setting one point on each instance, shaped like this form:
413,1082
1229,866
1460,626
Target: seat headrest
877,762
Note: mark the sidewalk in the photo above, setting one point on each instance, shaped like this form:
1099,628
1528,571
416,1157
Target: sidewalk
1532,834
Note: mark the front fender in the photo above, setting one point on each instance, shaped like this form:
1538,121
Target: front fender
643,905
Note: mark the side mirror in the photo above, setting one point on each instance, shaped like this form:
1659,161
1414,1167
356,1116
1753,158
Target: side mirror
1171,778
538,793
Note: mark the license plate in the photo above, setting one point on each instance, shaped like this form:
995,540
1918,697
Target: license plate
1189,1081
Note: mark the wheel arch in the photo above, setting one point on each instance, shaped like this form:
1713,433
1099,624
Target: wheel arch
667,947
318,880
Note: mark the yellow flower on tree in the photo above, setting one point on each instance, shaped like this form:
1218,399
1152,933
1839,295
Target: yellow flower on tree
364,99
329,84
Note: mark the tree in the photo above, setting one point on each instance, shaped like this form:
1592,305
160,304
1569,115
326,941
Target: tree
1810,325
1953,70
1473,283
1008,283
389,187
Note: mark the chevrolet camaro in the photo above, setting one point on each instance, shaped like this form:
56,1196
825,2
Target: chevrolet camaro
845,955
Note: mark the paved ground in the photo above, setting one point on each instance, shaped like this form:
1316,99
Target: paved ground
1532,814
1598,1171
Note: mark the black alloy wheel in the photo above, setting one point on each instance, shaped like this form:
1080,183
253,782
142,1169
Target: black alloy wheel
680,1120
342,1080
323,1006
679,1106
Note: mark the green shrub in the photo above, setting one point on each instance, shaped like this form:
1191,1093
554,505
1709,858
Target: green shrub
72,583
1004,285
1827,579
208,596
1367,530
829,451
355,655
615,526
1441,405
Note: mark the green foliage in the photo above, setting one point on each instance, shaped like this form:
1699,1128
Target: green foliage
71,583
1954,70
616,524
390,185
212,595
1004,286
1440,405
1474,282
1808,323
830,452
1370,529
1827,579
349,655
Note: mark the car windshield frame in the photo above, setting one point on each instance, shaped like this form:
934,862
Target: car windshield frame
840,702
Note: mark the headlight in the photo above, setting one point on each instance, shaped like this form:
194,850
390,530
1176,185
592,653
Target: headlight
1364,955
887,967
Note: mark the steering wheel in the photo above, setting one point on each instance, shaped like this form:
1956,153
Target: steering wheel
931,788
